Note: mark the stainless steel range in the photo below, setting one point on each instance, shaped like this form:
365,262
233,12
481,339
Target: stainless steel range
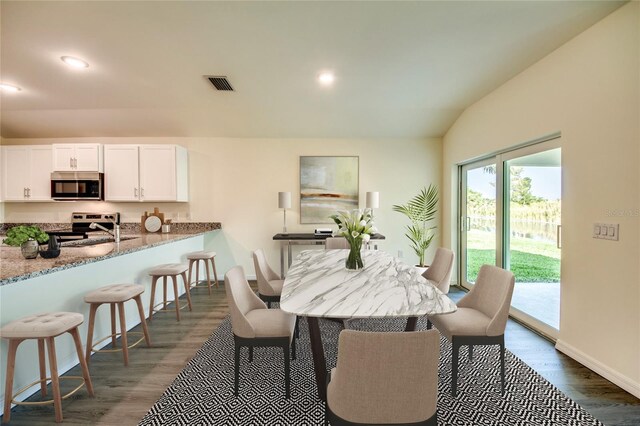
81,225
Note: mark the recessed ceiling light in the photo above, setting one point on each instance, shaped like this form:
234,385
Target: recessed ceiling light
326,78
74,62
9,88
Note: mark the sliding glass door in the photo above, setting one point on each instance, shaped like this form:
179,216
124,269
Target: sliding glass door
510,208
479,234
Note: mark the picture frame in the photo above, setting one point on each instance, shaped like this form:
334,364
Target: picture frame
327,184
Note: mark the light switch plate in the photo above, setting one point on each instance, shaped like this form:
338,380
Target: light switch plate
606,231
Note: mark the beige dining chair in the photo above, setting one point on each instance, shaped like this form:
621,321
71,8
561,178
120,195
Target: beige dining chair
384,378
254,325
441,268
269,283
332,243
481,317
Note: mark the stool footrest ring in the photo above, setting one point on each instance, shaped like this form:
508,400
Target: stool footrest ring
116,335
184,305
48,401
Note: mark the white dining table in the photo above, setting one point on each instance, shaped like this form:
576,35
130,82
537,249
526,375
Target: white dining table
319,286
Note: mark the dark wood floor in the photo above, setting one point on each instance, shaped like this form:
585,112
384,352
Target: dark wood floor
125,394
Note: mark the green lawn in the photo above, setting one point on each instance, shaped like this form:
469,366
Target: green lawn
531,260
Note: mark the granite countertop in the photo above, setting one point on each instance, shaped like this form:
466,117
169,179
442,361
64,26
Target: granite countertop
14,267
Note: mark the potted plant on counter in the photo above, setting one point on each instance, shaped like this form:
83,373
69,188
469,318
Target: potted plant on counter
421,211
28,238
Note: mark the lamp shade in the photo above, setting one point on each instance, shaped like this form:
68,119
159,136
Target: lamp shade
284,200
373,200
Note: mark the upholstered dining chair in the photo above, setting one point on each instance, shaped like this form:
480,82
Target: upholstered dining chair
269,283
481,317
384,378
332,243
254,325
441,268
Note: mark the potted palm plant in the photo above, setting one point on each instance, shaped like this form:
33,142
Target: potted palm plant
421,211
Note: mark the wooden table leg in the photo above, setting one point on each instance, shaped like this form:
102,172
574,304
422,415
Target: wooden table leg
319,361
411,324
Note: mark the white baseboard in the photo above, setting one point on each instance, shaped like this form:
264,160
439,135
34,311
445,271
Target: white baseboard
607,372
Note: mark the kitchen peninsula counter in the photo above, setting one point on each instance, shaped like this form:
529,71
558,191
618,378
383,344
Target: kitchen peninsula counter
14,267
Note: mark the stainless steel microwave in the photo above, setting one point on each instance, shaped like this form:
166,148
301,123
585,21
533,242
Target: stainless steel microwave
77,186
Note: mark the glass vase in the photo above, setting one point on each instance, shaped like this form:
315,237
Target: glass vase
354,259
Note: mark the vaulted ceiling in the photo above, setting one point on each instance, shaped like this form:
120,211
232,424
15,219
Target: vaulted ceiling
403,69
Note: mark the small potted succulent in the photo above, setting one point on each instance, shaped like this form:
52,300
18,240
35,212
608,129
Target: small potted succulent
28,238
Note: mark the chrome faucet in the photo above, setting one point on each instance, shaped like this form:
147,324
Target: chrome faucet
115,232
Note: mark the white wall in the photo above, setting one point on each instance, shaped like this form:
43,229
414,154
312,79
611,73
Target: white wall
236,182
589,89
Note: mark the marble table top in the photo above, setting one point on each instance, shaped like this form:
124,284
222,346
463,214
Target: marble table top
319,285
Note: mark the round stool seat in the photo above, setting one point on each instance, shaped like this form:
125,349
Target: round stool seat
201,255
114,293
168,269
42,325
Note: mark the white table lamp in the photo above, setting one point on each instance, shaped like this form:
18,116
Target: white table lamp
373,200
284,203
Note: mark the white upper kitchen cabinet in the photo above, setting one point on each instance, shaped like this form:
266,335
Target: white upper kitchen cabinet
146,173
121,173
26,173
80,157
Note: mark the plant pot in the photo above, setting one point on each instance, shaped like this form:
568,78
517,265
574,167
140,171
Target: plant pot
421,269
29,249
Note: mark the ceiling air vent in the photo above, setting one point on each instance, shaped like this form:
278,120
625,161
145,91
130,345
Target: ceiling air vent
220,82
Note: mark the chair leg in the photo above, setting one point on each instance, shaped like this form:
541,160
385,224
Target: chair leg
43,368
250,353
455,349
123,334
143,320
83,365
153,296
187,290
191,261
8,389
55,382
429,325
236,372
174,279
164,288
114,343
470,352
287,379
215,273
197,273
206,269
502,372
293,348
92,321
297,329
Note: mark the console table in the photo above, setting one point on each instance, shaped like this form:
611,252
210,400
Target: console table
309,239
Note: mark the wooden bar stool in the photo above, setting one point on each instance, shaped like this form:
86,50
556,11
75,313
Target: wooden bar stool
116,294
164,271
43,327
205,257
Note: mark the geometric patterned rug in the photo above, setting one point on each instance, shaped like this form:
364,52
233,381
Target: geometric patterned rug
202,394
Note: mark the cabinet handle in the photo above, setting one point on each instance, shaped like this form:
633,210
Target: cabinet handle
75,163
135,192
141,192
28,192
71,162
24,192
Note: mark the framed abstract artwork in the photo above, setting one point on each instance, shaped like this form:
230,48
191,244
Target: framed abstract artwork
327,184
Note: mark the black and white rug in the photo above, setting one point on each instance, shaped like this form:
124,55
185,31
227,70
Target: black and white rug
202,394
